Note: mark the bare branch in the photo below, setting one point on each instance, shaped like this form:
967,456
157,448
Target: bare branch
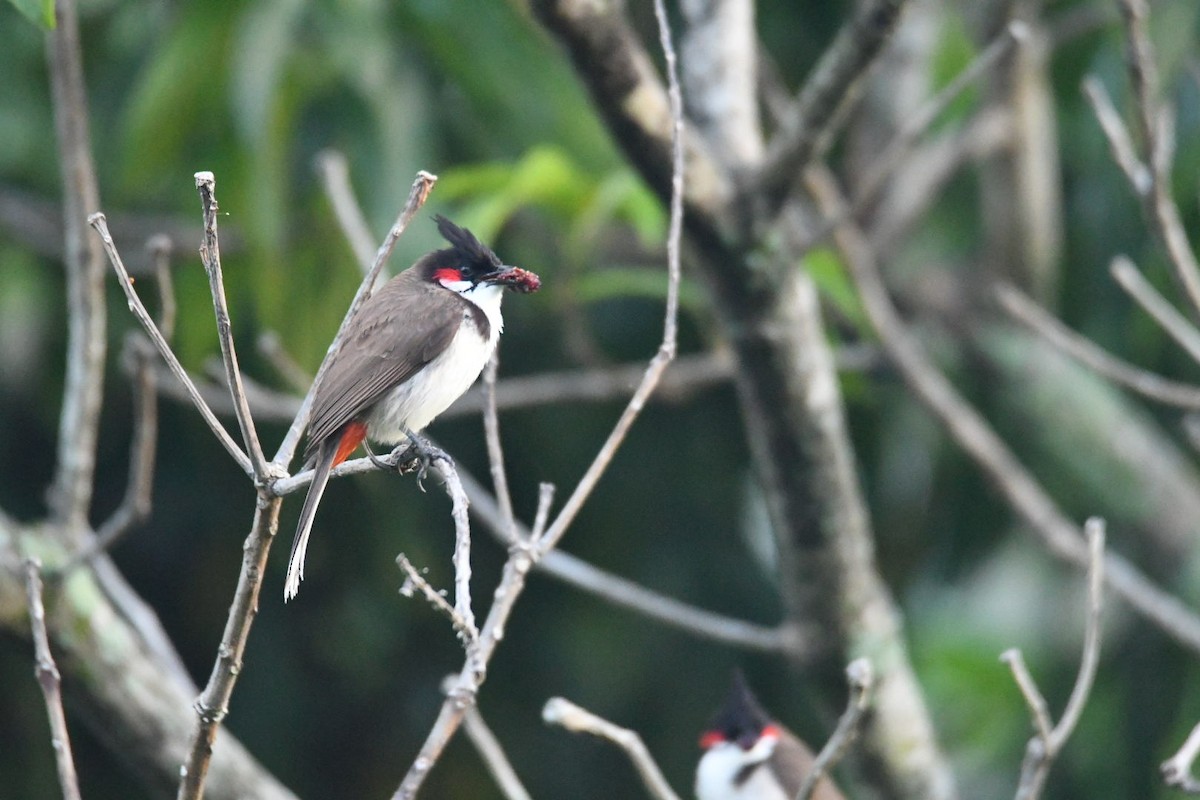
270,347
135,506
210,254
213,703
831,86
1044,748
421,187
334,173
885,165
49,681
78,428
491,429
1177,770
98,222
415,581
489,749
1091,355
1120,145
523,555
972,433
1153,303
1156,127
565,714
861,679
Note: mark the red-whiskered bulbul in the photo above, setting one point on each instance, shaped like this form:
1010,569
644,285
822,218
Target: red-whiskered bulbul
418,343
749,756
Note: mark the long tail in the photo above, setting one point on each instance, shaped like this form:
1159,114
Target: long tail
330,453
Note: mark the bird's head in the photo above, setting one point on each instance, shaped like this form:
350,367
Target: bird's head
740,721
468,263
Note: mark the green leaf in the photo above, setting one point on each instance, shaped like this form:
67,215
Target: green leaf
828,272
614,282
39,12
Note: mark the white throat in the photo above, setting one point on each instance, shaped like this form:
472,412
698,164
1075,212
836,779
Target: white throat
722,764
413,404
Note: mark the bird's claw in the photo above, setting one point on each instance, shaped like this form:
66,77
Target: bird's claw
418,455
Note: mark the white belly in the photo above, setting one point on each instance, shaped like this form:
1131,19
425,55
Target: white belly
413,404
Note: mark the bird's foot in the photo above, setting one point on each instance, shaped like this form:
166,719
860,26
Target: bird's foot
417,455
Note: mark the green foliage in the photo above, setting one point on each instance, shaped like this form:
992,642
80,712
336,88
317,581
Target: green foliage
39,12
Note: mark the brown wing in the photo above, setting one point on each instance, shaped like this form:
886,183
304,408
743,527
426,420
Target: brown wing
792,761
397,332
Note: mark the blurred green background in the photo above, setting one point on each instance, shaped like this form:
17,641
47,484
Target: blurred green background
341,686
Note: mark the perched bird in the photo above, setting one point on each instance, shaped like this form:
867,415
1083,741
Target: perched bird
410,351
749,756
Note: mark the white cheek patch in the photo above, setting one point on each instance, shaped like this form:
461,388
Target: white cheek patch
457,286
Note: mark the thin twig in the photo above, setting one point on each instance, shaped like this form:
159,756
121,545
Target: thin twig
1155,123
1120,145
98,222
334,172
489,749
495,450
462,539
418,194
1045,746
624,593
829,88
861,679
49,681
413,579
973,434
1085,351
135,506
210,254
911,129
83,390
270,347
565,714
523,556
1175,324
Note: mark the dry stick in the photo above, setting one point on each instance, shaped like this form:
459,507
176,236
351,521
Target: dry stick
830,87
418,194
1177,770
624,593
135,506
1157,130
901,144
565,714
414,580
861,679
1148,384
98,222
48,679
210,255
270,347
524,555
973,434
1177,326
1048,743
491,429
213,703
489,749
79,420
1120,146
334,172
462,539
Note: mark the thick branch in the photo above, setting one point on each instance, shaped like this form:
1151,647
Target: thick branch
71,494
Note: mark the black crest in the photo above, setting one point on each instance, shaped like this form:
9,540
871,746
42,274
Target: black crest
473,253
741,719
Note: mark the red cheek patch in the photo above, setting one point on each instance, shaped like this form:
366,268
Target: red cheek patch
710,739
447,275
